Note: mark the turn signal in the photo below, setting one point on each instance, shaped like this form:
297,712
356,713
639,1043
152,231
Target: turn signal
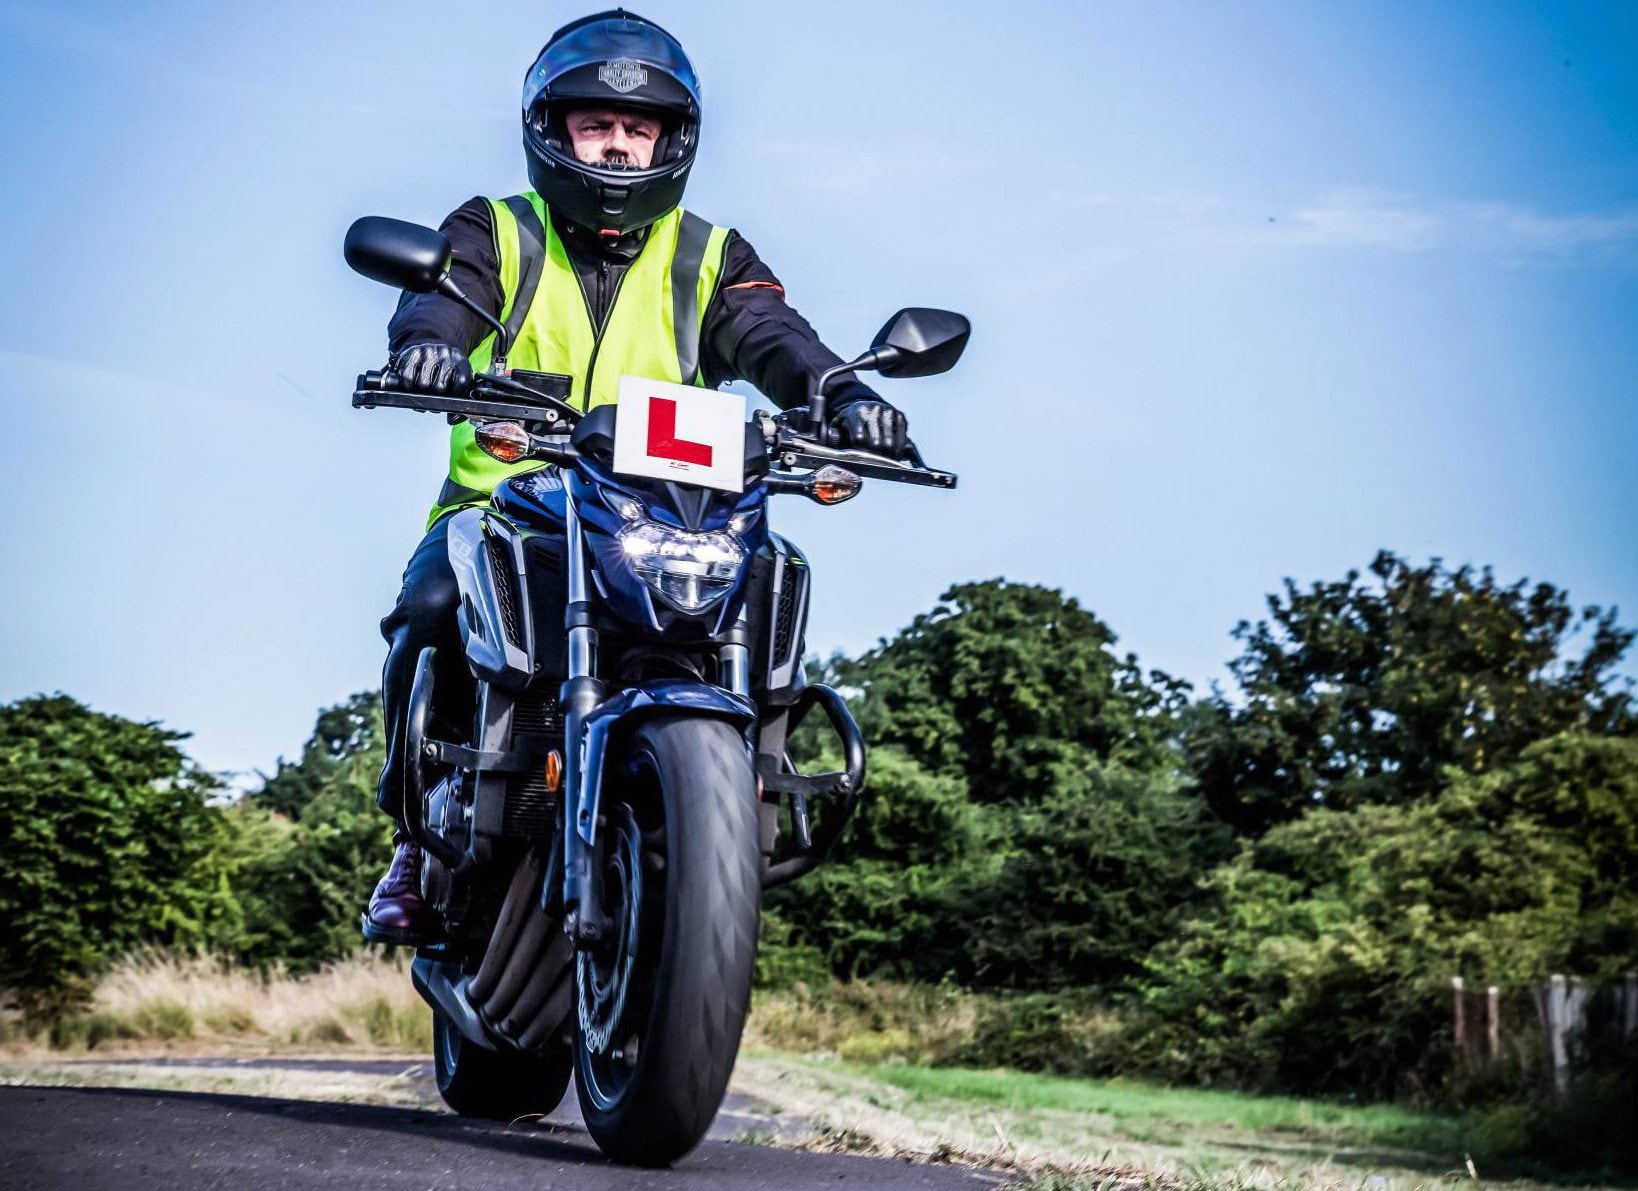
832,485
554,772
506,441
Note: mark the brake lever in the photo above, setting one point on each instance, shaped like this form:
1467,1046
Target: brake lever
794,451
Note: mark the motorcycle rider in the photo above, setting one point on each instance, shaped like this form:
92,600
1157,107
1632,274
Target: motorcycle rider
597,272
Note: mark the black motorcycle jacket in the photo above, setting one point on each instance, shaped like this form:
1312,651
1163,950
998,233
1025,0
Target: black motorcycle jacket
749,332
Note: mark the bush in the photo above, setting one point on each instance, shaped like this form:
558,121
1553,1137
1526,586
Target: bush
107,840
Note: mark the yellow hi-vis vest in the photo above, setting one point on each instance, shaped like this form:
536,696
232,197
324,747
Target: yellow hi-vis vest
652,329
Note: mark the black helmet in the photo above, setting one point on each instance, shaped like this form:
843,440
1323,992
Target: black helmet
620,60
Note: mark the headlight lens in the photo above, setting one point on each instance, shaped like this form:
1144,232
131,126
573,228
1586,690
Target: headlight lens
689,571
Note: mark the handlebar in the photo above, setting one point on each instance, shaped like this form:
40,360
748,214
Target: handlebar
497,398
491,399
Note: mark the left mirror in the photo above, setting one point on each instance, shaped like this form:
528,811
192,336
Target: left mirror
402,255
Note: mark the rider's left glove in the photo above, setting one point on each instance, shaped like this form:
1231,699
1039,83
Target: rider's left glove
434,368
873,426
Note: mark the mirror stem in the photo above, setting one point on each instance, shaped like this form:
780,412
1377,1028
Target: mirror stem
873,359
450,290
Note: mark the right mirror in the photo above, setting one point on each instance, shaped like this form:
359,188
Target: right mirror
922,342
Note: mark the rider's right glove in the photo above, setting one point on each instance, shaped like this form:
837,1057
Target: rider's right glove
433,368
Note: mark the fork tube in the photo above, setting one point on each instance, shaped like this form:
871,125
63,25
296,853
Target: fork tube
581,693
735,659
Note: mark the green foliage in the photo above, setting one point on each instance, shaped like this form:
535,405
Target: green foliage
344,736
1024,826
1090,877
106,841
303,882
1357,693
1317,962
999,680
884,902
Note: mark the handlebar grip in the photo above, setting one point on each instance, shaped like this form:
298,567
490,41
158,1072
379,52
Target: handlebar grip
377,380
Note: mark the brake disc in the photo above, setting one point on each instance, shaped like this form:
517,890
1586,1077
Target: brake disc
602,988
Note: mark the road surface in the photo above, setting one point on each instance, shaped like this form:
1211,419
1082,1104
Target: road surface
111,1138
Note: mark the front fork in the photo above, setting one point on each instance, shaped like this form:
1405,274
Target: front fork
589,717
582,691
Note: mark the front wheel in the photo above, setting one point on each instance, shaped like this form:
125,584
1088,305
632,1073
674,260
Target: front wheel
495,1085
663,1003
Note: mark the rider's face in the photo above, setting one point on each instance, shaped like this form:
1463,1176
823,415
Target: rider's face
604,134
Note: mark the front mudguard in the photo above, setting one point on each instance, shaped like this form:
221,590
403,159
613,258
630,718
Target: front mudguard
631,706
582,876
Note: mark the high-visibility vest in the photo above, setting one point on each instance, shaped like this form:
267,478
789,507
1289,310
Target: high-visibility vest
652,329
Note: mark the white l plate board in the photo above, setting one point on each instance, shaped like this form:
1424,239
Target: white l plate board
684,433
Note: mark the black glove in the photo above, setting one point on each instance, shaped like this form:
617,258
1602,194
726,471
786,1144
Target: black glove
873,426
433,368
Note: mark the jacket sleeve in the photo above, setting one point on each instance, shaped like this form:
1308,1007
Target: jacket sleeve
433,318
752,332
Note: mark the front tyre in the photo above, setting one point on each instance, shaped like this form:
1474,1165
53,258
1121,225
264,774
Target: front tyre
495,1085
663,1004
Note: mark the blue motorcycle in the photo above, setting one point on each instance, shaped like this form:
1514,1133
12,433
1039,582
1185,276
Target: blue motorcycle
603,804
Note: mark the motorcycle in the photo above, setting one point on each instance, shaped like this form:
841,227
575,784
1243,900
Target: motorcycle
603,804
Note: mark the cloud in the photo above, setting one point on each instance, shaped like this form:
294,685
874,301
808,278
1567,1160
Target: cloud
1363,220
1556,233
1121,228
1366,221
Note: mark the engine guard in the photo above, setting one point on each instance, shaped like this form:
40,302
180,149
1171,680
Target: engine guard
813,845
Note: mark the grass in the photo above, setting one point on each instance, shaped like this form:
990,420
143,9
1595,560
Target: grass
1134,1107
199,1004
1062,1134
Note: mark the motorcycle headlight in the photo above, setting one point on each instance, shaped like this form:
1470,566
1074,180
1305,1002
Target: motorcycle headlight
689,571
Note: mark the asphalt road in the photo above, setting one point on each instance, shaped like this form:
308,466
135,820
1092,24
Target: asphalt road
116,1138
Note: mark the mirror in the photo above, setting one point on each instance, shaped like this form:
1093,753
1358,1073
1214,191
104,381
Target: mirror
402,255
921,342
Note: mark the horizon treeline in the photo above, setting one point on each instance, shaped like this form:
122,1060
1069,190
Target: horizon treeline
1416,772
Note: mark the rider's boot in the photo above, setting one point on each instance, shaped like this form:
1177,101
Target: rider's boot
397,913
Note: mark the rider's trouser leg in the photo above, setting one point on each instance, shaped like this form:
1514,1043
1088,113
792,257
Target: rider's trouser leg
424,615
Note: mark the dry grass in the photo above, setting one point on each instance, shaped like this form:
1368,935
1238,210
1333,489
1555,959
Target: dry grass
864,1021
199,1004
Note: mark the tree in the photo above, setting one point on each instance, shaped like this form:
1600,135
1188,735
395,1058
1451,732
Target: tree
993,683
882,902
1356,693
1090,878
345,736
1316,961
107,840
303,883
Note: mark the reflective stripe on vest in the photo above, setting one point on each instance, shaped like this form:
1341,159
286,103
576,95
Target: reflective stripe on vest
652,329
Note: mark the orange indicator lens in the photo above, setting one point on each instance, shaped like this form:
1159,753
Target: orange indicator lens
832,485
506,441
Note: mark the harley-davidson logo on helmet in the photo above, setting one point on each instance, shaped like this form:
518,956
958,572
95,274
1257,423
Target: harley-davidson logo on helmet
622,74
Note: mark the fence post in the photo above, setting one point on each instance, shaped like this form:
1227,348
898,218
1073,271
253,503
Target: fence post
1555,1034
1459,1018
1492,1006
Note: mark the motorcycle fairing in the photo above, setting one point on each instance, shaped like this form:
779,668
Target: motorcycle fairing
485,553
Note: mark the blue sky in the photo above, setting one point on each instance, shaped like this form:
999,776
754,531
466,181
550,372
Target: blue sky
1257,289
